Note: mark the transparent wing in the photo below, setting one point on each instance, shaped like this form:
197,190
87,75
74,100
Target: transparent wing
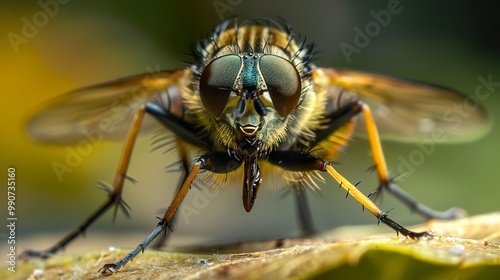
406,110
106,109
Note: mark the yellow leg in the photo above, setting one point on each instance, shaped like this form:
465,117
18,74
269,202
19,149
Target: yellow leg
162,226
121,172
114,194
383,174
354,192
375,146
368,204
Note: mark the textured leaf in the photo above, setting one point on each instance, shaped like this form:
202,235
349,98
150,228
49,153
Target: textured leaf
468,248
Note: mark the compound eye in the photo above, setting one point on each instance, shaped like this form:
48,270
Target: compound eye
217,81
283,82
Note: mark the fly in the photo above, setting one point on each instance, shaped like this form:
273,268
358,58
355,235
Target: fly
257,108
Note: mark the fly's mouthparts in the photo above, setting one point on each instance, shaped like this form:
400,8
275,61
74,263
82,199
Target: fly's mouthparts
249,147
249,130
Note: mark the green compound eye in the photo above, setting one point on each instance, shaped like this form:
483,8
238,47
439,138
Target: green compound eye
217,81
283,82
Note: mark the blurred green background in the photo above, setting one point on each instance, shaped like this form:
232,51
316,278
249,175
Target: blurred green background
450,43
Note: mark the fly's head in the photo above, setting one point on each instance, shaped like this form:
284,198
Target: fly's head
252,95
250,82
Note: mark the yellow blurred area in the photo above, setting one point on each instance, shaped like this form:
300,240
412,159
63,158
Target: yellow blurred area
42,61
66,53
27,81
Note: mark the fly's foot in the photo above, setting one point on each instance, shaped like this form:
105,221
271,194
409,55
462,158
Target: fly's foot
108,268
400,229
32,254
454,213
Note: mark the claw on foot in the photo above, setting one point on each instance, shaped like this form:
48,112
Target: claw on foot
31,254
109,268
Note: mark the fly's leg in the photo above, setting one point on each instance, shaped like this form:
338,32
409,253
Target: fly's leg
214,162
383,174
303,212
160,227
303,162
161,241
337,120
368,204
345,114
114,194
